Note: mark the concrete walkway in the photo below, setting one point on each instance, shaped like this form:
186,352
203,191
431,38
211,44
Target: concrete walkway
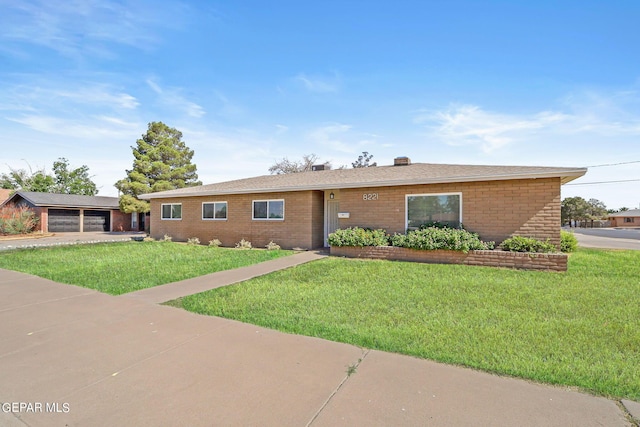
170,291
70,356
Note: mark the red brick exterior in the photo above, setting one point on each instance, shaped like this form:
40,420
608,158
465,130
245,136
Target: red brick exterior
120,221
629,221
494,209
302,226
525,261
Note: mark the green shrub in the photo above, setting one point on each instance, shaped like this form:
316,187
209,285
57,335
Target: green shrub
433,238
271,246
356,236
17,220
243,244
528,244
215,243
193,241
568,241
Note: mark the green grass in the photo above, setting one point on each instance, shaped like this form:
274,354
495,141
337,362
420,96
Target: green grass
580,328
118,268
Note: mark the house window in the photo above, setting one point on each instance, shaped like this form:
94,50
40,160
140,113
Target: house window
628,220
214,210
425,208
134,221
172,211
268,209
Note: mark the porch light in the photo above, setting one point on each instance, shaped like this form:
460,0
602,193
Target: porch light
331,195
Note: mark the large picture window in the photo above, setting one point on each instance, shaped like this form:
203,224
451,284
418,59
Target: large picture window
268,209
214,210
172,211
426,208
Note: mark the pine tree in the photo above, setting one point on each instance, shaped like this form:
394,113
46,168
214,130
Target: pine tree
162,161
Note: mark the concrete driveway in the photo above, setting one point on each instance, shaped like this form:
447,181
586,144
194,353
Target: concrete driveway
66,239
70,356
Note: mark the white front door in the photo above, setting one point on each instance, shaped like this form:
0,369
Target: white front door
331,223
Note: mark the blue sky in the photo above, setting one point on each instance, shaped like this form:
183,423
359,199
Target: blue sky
552,83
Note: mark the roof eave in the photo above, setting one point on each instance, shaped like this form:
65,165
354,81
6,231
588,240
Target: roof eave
565,176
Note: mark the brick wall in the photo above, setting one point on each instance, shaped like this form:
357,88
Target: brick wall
120,221
620,221
494,209
302,226
525,261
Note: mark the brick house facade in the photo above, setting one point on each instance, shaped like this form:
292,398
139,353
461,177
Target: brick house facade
495,201
630,218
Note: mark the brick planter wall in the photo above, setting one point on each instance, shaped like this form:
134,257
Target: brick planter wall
496,258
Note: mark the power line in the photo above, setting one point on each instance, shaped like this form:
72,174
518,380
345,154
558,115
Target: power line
613,164
605,182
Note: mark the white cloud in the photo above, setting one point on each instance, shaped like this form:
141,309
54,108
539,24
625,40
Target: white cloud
77,27
341,138
97,128
41,95
586,115
172,97
319,84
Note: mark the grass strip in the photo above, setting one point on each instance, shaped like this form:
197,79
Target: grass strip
580,328
118,268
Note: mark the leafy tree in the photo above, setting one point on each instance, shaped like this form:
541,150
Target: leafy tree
21,179
162,161
63,180
574,208
285,165
76,181
364,160
597,209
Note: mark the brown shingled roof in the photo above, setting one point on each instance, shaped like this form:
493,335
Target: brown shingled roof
379,176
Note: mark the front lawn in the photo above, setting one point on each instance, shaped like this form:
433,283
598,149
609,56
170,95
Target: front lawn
580,328
118,268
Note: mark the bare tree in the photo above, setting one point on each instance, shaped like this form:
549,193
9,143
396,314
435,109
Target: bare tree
288,166
364,161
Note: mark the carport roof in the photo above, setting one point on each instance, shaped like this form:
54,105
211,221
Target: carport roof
66,200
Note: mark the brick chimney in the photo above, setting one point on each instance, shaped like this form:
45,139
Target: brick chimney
401,161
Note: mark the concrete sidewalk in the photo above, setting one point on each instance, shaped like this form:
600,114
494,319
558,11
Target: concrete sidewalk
70,356
170,291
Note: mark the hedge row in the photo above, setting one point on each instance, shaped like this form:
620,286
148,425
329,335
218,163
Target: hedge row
430,238
437,237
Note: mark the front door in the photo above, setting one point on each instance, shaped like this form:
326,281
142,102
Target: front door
333,207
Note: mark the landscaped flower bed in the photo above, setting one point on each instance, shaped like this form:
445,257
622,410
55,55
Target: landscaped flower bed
448,246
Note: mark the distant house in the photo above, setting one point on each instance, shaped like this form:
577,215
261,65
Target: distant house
300,210
75,213
4,194
630,218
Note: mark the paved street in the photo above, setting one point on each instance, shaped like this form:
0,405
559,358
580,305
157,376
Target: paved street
607,238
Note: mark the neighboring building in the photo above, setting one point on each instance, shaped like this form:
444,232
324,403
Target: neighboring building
75,213
630,218
4,194
299,210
